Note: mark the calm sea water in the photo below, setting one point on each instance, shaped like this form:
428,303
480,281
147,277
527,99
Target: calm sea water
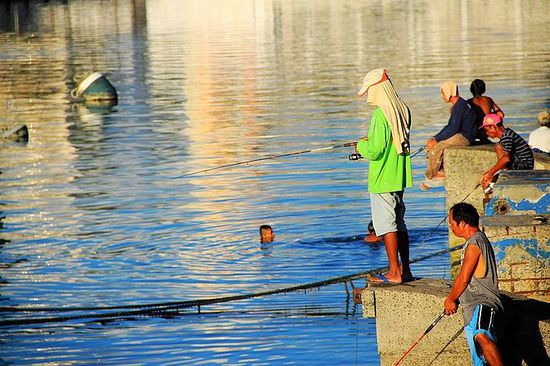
95,211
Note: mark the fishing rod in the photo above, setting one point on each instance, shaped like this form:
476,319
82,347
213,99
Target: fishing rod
293,153
357,156
428,330
455,336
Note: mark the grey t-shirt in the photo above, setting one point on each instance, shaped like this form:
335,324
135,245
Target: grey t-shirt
482,290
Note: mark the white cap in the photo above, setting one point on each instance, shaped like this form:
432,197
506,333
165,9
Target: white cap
373,77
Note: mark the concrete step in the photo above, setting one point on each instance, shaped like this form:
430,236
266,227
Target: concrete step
404,312
520,192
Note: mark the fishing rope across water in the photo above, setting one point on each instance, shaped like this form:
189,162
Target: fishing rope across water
162,308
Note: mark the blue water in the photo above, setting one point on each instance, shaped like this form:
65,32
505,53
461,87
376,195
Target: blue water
96,211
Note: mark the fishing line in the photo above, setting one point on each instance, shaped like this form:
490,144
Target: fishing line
157,308
347,144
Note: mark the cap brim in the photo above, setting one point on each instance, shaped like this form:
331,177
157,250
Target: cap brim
362,91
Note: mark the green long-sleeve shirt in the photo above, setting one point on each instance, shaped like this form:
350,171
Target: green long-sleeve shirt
388,171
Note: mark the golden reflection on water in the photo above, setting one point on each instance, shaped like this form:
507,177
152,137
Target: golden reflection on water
237,69
241,76
239,72
206,83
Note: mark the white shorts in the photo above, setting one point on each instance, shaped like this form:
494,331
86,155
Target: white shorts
388,212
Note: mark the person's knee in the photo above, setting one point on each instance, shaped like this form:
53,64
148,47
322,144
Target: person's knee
483,340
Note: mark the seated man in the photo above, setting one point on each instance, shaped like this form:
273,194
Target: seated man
512,150
459,131
266,234
539,139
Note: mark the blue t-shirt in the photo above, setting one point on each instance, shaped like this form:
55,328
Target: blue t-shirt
463,121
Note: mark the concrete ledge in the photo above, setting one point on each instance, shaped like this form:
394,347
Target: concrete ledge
403,312
520,192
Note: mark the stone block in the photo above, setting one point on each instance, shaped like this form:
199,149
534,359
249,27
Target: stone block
519,193
522,252
507,286
464,167
367,301
404,312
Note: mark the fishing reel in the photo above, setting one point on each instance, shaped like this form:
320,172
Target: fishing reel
353,157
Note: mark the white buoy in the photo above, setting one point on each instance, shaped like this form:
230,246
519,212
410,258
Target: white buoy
94,87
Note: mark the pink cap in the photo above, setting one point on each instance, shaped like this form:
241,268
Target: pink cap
491,119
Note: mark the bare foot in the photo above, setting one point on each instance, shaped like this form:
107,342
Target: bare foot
383,278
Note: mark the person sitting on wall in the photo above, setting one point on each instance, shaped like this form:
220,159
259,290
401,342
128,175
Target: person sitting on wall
476,287
266,234
482,105
512,150
539,139
459,131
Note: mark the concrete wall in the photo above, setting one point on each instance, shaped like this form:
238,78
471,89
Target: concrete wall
516,217
404,312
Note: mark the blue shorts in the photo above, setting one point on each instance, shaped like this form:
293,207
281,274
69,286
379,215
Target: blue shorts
483,321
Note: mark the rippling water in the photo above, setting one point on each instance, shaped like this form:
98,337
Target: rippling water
95,211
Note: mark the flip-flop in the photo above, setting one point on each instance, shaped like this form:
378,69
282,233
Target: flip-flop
382,279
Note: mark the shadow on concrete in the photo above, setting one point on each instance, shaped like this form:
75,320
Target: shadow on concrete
520,338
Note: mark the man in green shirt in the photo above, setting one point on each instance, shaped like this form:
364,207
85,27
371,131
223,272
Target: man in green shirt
387,150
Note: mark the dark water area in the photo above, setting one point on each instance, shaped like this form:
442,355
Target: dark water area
96,210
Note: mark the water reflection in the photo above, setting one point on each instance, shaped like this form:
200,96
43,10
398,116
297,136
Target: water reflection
94,214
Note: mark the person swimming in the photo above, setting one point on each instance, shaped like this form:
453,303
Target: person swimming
266,234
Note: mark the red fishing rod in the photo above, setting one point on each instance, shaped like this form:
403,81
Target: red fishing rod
428,330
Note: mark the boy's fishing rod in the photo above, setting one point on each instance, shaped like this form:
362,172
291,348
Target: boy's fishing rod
347,144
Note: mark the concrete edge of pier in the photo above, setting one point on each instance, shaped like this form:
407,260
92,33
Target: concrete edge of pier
403,312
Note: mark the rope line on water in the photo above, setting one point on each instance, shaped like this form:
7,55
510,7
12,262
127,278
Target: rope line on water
159,308
162,308
347,144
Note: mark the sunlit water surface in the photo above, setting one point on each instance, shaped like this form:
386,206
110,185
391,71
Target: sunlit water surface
95,211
